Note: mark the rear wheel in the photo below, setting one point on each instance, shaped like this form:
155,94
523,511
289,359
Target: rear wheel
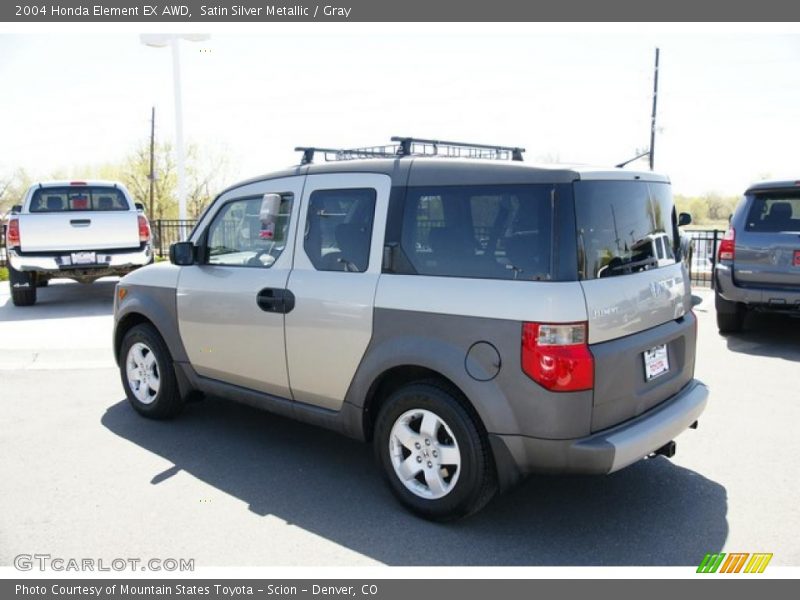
433,453
730,315
23,287
148,374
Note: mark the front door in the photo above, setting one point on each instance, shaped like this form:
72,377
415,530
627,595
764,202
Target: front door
231,309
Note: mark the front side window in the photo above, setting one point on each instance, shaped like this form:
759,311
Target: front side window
238,237
623,227
487,232
78,198
339,229
774,212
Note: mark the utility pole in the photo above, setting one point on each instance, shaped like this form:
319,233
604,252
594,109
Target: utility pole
152,159
653,118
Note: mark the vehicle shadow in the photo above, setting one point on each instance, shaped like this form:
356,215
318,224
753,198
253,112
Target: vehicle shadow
653,513
62,298
767,334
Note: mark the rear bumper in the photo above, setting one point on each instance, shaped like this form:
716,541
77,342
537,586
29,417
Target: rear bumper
107,261
768,298
605,451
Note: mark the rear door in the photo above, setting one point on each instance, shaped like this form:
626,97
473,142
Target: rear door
768,245
78,217
637,298
230,316
338,254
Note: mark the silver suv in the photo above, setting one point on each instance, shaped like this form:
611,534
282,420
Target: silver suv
758,261
476,318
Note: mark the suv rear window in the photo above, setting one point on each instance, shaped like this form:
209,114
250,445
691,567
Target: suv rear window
490,232
77,198
623,227
774,211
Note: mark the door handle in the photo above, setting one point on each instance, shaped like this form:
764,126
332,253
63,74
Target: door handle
80,222
275,300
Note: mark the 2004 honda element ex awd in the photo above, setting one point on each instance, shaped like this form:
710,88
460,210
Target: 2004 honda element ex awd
477,319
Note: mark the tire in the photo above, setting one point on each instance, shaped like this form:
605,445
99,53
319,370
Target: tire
730,315
23,287
148,373
434,427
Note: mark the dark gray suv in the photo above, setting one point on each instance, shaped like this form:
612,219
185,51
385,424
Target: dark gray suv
758,262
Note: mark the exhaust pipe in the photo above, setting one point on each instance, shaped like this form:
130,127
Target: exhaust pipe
667,450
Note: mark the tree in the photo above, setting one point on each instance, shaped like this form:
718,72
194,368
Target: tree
12,187
136,177
204,172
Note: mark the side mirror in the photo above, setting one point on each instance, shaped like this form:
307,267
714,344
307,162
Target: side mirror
139,206
270,207
684,219
16,209
182,254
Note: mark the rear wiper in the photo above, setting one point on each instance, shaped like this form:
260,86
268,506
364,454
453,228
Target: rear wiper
629,267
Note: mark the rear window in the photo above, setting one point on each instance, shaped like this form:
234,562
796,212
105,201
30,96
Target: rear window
623,227
774,212
77,198
490,232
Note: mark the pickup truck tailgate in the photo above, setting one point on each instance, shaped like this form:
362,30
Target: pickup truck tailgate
84,230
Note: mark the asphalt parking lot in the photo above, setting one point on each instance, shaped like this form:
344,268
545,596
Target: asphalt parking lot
83,476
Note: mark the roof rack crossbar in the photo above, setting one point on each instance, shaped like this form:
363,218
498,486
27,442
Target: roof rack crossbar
409,146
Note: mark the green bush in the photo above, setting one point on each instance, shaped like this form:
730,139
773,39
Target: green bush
3,274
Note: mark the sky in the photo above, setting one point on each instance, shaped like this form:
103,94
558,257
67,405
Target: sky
728,105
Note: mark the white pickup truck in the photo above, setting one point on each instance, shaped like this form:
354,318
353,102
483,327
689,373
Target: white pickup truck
81,230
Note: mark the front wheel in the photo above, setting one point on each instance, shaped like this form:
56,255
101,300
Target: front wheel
433,453
148,374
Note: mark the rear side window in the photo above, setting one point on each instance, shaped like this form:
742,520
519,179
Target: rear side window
78,198
623,227
339,229
774,212
489,232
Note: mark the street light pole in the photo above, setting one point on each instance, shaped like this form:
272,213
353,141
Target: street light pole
173,40
176,78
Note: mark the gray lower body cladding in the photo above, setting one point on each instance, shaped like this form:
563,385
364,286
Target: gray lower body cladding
482,358
605,451
530,428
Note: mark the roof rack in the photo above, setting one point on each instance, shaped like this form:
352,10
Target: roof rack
409,146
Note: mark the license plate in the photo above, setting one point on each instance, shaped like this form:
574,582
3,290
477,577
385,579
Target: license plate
656,362
84,258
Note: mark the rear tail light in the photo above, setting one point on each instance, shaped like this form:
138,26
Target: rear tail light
727,247
12,235
144,229
557,356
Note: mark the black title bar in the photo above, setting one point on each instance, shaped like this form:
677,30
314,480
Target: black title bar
243,11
